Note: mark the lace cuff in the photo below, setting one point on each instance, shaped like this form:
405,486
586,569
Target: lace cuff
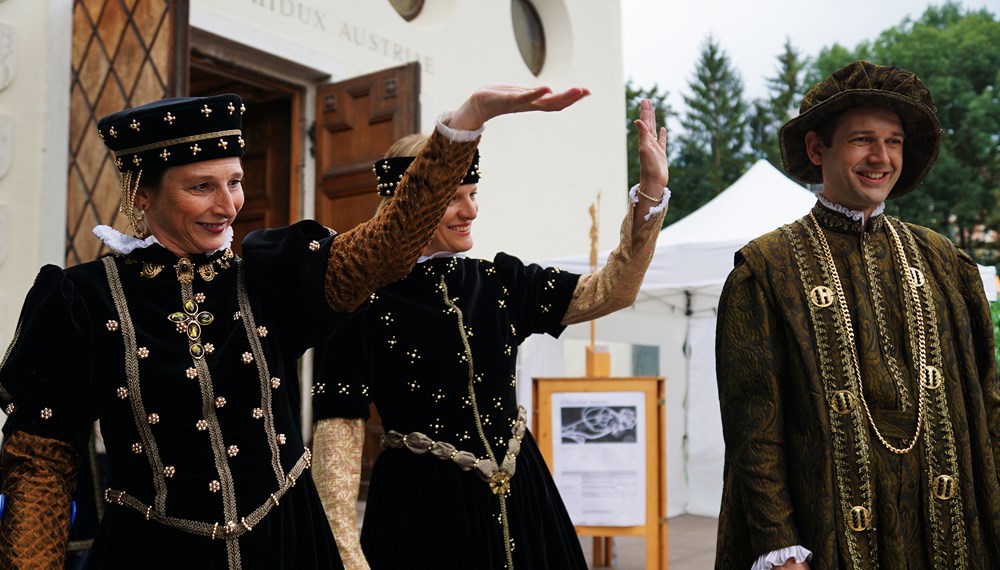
456,135
633,195
616,285
780,556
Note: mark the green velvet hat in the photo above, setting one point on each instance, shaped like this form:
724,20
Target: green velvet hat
866,84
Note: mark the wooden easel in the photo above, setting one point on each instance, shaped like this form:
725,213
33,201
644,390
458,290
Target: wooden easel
655,527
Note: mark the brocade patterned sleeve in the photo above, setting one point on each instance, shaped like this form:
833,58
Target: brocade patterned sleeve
616,285
337,448
537,296
340,400
385,248
971,287
750,363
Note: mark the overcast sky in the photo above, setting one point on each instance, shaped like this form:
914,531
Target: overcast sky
663,38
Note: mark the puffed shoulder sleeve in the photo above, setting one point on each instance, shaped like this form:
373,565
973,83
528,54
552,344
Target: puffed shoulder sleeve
45,378
285,268
537,296
342,380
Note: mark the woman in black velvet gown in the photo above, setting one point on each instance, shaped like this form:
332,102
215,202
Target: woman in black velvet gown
460,482
187,353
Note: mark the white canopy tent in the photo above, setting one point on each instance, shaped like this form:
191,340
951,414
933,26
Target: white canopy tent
676,311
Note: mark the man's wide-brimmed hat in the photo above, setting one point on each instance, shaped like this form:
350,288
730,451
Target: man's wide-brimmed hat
860,84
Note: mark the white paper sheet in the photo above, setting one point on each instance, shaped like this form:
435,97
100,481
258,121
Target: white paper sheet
599,456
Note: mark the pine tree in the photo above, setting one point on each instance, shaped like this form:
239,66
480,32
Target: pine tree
785,92
713,149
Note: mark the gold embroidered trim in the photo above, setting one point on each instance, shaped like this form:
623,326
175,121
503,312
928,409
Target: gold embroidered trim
892,355
504,521
230,530
918,345
215,435
263,373
139,412
946,516
841,426
171,142
6,354
940,429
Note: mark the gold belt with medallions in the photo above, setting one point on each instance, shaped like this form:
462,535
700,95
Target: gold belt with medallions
497,476
215,531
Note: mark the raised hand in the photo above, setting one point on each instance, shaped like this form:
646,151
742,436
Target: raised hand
497,100
653,171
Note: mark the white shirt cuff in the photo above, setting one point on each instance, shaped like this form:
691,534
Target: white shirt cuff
780,556
456,135
633,194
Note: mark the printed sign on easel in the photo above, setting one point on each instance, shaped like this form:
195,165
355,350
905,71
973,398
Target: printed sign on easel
599,456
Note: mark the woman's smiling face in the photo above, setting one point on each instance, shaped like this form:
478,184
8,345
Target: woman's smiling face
454,231
194,205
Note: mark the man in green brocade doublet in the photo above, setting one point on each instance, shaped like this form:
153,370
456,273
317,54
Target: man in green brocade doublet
857,380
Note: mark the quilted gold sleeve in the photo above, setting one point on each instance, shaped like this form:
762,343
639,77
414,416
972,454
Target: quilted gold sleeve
39,478
337,445
385,248
616,285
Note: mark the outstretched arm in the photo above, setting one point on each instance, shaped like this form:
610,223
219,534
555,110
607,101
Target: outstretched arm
616,285
385,248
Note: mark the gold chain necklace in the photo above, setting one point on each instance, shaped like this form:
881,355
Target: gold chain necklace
923,370
186,269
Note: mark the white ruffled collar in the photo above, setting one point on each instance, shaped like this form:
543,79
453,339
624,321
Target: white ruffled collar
125,244
856,215
441,254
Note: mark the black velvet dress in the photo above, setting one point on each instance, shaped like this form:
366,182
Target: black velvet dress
198,402
436,352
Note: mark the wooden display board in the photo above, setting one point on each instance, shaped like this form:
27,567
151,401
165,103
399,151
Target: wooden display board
655,527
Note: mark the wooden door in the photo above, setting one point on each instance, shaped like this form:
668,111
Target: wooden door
356,121
124,54
271,129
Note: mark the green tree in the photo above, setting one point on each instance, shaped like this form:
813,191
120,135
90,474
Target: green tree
785,91
712,150
661,108
953,51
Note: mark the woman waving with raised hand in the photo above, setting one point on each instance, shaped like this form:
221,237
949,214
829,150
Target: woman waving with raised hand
186,352
460,482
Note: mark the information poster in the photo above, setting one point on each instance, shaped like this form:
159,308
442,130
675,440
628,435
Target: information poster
599,456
